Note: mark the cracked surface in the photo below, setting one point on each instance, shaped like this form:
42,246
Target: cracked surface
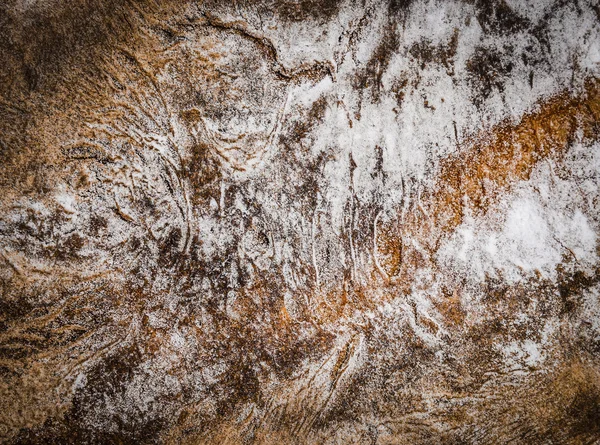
299,222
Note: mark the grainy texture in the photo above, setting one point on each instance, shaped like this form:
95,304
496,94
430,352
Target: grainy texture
299,222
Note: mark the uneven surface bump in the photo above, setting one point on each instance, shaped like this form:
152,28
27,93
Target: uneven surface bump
299,222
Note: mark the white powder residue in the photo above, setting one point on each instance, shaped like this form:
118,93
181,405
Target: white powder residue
437,112
525,353
544,222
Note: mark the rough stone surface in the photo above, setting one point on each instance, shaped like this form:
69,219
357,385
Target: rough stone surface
299,222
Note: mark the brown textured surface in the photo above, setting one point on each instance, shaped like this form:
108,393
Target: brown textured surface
250,222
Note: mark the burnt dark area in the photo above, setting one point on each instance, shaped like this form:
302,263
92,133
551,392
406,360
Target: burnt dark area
499,18
427,53
488,70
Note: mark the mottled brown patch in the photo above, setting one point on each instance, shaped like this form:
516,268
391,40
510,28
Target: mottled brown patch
370,77
509,153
